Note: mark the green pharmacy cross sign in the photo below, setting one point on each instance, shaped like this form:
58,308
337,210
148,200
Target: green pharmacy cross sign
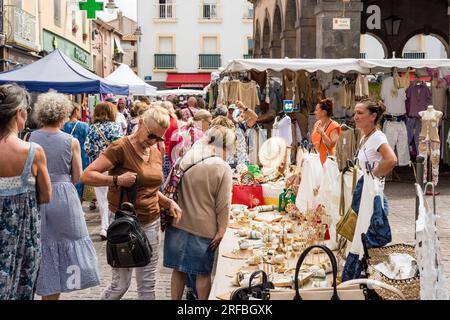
91,6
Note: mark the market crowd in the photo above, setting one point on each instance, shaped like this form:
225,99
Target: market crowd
44,241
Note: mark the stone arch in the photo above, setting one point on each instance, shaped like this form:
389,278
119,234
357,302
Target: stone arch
432,32
289,35
266,36
275,48
382,41
257,40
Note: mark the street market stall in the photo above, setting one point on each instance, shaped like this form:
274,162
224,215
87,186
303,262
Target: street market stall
58,72
179,92
138,87
272,226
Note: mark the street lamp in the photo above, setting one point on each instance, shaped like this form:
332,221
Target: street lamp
392,25
138,33
111,6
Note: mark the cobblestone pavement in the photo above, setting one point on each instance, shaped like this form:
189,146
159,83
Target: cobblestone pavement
402,215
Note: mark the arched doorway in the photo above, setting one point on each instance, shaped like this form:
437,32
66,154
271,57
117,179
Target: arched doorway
421,46
289,36
275,47
372,47
257,46
265,53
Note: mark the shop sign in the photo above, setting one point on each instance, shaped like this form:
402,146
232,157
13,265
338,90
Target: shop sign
288,106
341,23
80,55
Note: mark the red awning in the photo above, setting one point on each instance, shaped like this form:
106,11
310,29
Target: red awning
188,80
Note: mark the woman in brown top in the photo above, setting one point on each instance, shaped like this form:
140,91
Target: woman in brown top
125,159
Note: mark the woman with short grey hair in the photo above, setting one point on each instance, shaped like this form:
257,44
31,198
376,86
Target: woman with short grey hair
66,246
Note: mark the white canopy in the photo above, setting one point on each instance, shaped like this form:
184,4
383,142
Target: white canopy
310,65
329,65
179,92
380,65
126,76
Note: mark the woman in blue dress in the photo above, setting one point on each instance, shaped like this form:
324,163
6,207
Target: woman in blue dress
79,130
69,260
23,176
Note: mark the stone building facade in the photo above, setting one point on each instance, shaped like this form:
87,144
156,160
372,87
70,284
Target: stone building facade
304,28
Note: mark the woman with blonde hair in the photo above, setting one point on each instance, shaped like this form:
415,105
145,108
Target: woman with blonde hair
126,160
190,245
103,131
66,245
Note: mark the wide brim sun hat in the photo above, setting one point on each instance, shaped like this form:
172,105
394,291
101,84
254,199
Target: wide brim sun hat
273,152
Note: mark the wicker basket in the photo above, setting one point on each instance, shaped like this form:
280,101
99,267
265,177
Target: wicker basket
409,287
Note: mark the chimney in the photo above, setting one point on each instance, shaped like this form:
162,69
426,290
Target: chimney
120,18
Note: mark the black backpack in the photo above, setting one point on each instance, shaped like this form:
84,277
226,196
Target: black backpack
127,245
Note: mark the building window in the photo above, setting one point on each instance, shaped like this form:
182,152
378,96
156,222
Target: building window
16,3
57,12
210,9
165,9
210,58
248,14
165,59
250,46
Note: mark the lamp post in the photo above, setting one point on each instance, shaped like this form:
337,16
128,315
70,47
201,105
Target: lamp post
138,33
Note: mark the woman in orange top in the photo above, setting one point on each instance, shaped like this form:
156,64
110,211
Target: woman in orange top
326,132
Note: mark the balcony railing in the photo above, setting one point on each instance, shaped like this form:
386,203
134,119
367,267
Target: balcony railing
362,55
165,11
209,11
20,27
210,61
165,61
414,55
248,12
248,56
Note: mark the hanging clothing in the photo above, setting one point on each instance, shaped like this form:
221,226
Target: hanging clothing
397,137
290,89
241,146
429,129
432,149
283,128
347,145
362,87
419,98
413,126
433,282
305,90
312,177
329,198
275,96
393,98
248,94
335,92
439,89
233,91
325,79
375,91
318,143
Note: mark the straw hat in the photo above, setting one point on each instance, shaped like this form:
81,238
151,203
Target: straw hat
272,153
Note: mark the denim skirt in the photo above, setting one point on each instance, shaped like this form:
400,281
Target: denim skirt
187,253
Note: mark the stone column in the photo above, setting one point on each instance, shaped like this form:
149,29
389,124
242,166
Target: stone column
265,53
306,38
289,44
275,49
335,44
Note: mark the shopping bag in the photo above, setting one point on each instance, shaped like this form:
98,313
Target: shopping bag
249,195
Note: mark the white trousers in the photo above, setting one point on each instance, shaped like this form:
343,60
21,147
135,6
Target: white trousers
397,137
101,193
145,276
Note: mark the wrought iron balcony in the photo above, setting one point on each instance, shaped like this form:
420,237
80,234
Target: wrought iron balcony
414,55
362,55
210,61
165,61
248,56
20,27
165,11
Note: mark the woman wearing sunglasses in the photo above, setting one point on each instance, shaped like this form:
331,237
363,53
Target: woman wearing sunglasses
125,160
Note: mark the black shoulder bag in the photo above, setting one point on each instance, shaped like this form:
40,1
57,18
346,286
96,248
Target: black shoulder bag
259,292
127,245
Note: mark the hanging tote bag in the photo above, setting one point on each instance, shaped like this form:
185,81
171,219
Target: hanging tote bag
347,224
249,195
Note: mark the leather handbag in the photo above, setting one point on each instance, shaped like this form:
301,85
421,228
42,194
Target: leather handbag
127,245
350,292
249,195
258,292
347,224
